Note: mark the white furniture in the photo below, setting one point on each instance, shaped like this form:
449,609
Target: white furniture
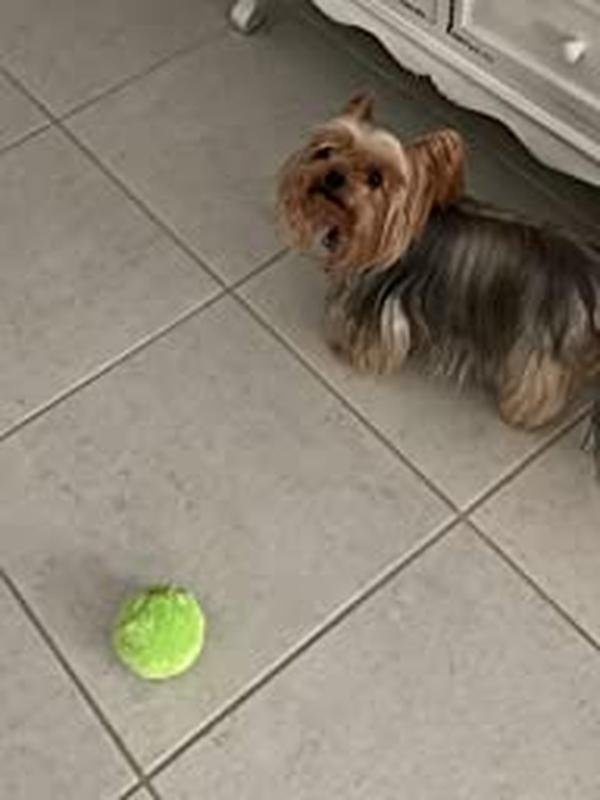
534,64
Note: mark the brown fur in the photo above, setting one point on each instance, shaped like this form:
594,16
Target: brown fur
533,394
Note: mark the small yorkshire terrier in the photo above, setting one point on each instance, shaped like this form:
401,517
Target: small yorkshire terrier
415,267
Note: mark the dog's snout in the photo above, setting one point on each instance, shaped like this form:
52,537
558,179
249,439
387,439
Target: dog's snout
334,180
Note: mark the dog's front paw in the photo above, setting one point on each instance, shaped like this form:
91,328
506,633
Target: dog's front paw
367,357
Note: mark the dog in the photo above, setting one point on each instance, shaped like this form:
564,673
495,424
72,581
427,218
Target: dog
416,268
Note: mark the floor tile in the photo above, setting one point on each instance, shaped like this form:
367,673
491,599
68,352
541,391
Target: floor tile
454,436
85,275
582,200
17,115
490,179
212,459
203,139
548,520
455,681
50,744
67,51
579,202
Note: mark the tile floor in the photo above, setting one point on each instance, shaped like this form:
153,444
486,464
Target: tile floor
402,594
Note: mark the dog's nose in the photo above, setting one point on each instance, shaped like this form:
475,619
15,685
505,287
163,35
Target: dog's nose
333,180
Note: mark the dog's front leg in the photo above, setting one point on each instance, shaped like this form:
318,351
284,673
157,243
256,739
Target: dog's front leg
376,342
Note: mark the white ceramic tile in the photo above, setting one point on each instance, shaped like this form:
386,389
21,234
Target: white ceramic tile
212,459
51,745
84,274
18,116
548,520
202,140
67,52
454,682
454,436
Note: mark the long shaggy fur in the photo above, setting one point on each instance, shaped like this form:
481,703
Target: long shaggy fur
479,286
416,268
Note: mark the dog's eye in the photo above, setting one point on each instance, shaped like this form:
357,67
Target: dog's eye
322,153
375,178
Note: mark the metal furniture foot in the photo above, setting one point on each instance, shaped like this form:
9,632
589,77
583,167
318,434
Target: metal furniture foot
248,15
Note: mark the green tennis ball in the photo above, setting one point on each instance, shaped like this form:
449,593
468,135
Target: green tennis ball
159,632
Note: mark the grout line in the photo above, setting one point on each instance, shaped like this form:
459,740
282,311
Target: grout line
163,226
513,472
148,786
132,351
225,287
345,402
134,77
132,791
337,617
264,266
167,230
54,119
84,692
58,124
26,137
129,793
522,573
108,173
120,84
109,366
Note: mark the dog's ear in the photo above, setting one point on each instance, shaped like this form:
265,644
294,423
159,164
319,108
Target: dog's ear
436,175
360,107
439,158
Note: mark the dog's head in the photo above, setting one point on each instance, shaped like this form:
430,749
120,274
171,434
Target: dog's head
359,196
